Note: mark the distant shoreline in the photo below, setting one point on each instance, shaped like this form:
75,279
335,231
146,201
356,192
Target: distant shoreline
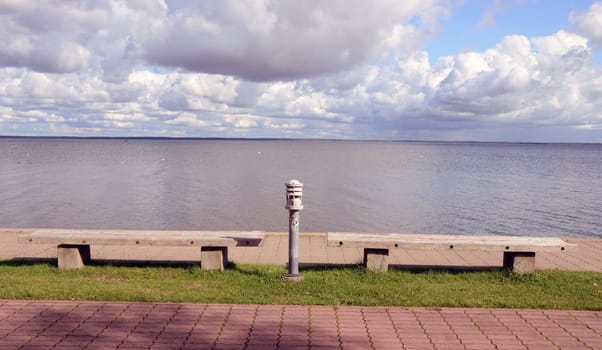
159,138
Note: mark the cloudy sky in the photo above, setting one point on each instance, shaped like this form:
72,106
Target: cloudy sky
489,70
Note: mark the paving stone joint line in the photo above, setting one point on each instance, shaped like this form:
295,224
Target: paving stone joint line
370,339
508,328
309,321
449,326
195,324
165,324
280,326
52,324
477,326
537,329
223,326
565,330
395,328
251,327
338,326
133,329
69,325
106,325
428,336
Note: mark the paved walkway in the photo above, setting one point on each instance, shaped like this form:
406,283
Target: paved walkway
113,325
117,325
584,254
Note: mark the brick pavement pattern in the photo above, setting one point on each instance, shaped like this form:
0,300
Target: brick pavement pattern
138,325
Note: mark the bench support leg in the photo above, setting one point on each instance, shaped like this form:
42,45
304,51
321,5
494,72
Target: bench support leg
73,256
521,262
376,259
214,258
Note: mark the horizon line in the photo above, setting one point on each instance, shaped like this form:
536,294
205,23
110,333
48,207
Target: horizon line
286,139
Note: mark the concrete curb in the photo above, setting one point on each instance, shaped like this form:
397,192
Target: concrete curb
313,250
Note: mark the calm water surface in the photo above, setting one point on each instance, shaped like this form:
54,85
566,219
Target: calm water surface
467,188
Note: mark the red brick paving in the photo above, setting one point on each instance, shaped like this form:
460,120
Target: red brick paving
66,325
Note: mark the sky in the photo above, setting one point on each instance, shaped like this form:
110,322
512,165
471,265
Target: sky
482,70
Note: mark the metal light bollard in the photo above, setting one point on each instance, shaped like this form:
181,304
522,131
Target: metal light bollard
294,193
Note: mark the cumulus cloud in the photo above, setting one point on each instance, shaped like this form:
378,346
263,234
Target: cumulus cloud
273,40
284,69
189,119
50,36
588,23
254,40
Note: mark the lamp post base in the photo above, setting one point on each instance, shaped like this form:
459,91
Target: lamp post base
293,277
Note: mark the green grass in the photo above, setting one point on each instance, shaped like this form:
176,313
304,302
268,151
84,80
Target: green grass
253,284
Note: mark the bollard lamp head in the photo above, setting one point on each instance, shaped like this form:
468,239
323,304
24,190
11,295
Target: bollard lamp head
294,193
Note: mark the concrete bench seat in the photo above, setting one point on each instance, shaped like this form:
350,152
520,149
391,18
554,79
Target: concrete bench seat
73,246
519,252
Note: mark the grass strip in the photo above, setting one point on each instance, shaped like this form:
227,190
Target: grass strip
262,284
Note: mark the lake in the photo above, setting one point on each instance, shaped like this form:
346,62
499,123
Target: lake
354,186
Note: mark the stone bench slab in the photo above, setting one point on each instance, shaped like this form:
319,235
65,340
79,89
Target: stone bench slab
519,252
73,246
424,241
144,237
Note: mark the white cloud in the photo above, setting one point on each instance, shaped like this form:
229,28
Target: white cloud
126,116
49,36
342,69
42,116
264,40
241,120
217,88
537,87
189,119
259,40
272,124
589,23
560,44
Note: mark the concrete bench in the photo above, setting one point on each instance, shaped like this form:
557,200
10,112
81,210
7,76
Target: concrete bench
73,246
519,252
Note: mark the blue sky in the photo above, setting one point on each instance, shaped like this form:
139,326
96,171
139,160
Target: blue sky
467,27
514,70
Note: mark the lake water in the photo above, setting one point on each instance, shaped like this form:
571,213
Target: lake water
414,187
